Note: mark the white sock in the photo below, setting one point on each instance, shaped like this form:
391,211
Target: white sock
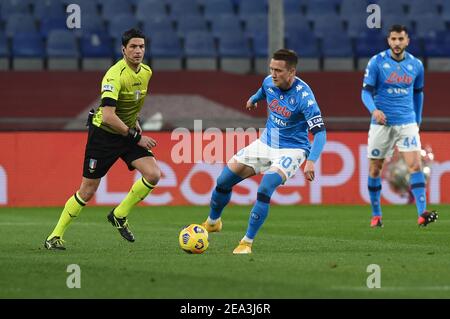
248,240
212,221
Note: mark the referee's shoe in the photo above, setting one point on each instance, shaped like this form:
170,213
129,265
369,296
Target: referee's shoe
122,226
54,243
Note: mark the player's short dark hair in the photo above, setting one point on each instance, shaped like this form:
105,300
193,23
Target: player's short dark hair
398,28
289,56
132,33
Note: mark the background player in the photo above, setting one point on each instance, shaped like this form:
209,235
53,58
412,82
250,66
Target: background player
114,132
281,149
393,94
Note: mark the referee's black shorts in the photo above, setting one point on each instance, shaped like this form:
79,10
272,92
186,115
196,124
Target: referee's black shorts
104,148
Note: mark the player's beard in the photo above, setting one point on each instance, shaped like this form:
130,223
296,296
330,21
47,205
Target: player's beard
400,53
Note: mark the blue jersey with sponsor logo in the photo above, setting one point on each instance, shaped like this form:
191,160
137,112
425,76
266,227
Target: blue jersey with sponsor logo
290,114
393,83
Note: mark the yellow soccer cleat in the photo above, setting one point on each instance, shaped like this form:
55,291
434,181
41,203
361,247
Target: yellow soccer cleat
243,248
217,227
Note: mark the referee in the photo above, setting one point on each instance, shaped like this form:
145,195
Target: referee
114,132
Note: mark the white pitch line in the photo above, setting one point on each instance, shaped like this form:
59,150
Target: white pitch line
399,288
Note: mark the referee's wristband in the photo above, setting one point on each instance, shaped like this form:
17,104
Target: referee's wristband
133,136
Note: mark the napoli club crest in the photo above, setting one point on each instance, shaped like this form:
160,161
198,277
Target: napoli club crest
292,100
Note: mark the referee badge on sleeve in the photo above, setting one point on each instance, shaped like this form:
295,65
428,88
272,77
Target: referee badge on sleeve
92,165
107,88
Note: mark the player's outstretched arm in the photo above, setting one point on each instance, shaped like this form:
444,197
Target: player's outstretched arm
250,104
320,138
252,101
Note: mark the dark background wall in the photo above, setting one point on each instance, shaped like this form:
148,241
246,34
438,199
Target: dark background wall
66,94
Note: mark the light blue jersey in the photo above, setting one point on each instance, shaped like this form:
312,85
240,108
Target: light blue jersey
290,114
393,84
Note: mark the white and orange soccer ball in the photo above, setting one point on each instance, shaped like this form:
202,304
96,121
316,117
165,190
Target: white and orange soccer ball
193,239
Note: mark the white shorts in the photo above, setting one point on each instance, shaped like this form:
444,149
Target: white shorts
261,157
382,140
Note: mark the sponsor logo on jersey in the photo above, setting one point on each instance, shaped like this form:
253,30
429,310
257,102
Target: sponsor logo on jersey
274,106
394,77
386,66
278,121
397,91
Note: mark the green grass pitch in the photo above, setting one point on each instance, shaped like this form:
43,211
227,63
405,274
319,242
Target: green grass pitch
300,252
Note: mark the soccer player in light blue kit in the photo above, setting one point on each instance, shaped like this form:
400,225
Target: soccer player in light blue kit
281,149
393,94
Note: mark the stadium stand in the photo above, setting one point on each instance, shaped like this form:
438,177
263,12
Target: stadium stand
216,8
225,24
303,19
96,51
351,8
190,23
112,8
28,51
391,7
200,51
20,23
4,52
62,50
437,50
250,7
305,44
166,51
319,8
260,42
337,52
234,52
47,8
150,8
122,21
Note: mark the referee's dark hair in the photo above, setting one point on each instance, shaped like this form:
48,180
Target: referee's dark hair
132,33
289,56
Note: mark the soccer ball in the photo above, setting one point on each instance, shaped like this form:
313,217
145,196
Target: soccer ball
194,239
